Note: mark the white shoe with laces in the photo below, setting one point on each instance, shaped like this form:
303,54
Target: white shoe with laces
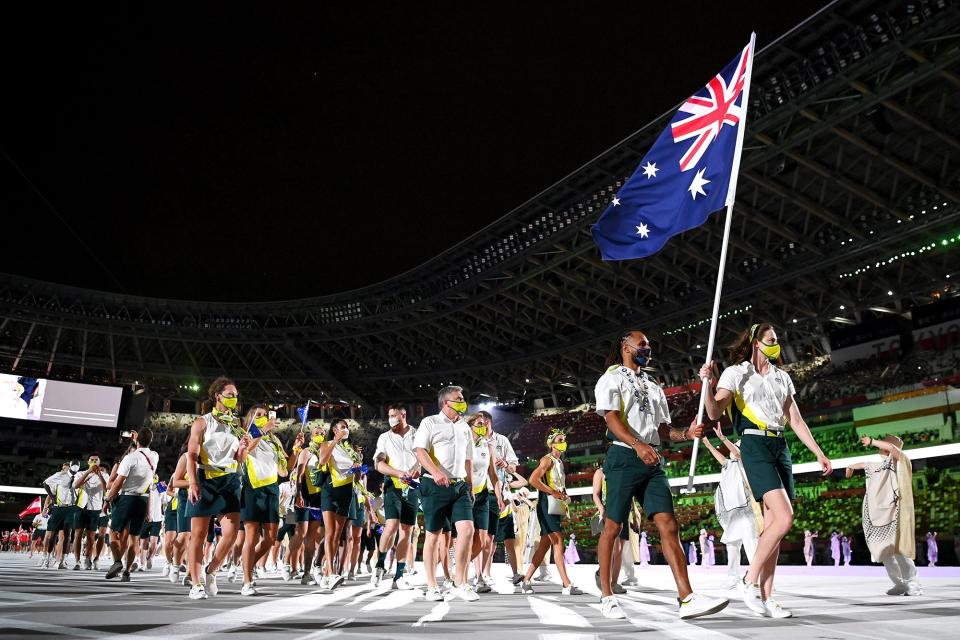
165,571
433,594
610,608
174,575
232,573
248,590
402,584
286,573
571,590
750,594
696,605
465,592
774,610
212,588
197,592
899,589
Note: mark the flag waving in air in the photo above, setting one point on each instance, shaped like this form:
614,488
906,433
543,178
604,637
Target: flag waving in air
33,508
686,174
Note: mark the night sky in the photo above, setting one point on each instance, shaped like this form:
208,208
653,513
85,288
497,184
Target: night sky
218,154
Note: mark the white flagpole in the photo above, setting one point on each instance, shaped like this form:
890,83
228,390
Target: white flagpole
731,195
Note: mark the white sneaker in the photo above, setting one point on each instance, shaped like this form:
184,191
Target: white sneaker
248,590
526,587
465,592
285,573
543,576
774,610
571,590
197,592
447,585
610,608
433,594
697,605
488,580
750,593
270,568
377,576
633,582
480,586
336,580
260,572
232,573
174,575
732,582
914,588
317,574
402,584
212,588
165,571
899,589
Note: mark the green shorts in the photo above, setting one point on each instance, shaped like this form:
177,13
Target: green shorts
630,477
87,519
104,521
336,499
183,520
170,520
481,510
61,519
493,513
625,530
358,512
768,464
287,530
548,523
398,507
314,512
151,529
128,513
261,504
39,533
444,506
505,528
218,496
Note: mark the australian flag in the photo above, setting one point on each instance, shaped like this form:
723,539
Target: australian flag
685,175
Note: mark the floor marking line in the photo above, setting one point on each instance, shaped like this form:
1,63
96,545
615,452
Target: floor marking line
436,614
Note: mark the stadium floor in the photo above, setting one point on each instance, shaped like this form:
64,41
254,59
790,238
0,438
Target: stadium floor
827,603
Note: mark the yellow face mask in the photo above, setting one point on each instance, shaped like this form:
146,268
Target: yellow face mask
229,403
316,439
480,429
560,446
772,351
261,422
459,407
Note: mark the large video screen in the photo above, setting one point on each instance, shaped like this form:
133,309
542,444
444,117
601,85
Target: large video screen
26,398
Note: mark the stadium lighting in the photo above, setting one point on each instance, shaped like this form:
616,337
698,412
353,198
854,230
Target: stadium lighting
889,293
842,307
527,380
487,406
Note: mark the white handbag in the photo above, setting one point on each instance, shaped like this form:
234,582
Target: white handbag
556,507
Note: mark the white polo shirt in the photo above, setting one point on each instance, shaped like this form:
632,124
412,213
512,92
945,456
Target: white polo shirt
154,512
93,489
138,471
639,399
759,398
503,448
397,449
481,462
61,484
448,443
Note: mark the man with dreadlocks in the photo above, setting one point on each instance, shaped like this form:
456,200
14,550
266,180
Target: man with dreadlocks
635,410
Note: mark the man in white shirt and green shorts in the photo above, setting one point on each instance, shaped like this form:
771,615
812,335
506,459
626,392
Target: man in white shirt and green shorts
635,410
444,449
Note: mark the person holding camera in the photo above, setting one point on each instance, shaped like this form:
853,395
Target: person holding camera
127,498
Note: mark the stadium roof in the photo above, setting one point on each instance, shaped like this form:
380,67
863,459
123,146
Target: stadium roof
851,159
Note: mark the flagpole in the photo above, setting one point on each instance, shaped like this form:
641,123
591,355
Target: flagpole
731,195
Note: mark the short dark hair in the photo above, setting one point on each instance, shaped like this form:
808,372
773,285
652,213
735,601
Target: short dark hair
397,406
145,437
218,385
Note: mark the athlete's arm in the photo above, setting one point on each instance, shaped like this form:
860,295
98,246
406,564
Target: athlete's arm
803,432
715,402
197,430
536,478
620,430
598,490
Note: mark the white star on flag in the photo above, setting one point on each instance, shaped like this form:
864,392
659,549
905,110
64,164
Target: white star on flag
697,185
650,170
643,231
616,201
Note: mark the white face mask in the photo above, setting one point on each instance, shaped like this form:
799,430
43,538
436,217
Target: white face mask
393,421
74,468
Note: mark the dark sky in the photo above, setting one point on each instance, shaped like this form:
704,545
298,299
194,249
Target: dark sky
223,155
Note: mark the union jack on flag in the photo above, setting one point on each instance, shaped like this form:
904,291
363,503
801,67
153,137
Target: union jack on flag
685,176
